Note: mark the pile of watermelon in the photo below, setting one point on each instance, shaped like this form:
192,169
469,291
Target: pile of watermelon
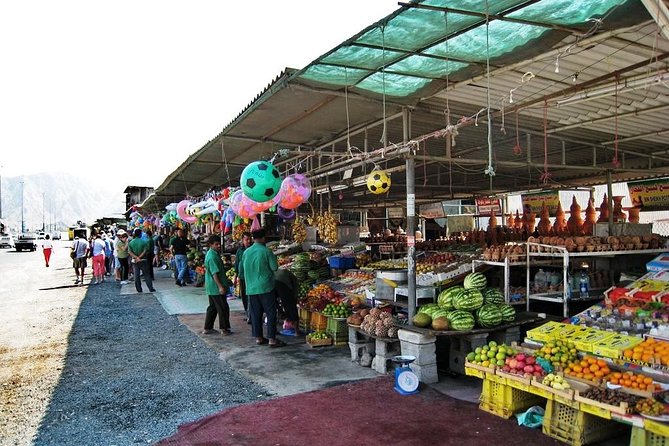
466,306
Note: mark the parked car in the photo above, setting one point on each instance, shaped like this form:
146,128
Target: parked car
40,235
26,241
6,241
55,235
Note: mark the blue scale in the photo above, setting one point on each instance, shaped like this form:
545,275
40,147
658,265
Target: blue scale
406,381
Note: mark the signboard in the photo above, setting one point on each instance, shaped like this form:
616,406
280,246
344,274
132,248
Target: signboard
460,223
395,212
535,201
649,193
432,210
485,205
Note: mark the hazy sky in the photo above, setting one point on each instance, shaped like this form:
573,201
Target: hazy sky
124,91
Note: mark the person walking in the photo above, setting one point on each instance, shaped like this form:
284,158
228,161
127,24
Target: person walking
138,249
179,246
246,242
109,254
216,284
150,254
80,250
98,251
258,266
122,254
47,248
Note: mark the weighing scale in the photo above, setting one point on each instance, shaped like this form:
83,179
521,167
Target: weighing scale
406,381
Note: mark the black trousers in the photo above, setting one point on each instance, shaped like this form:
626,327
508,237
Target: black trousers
125,267
218,305
245,298
259,304
142,266
287,301
149,259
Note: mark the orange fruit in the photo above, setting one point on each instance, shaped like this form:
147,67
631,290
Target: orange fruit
594,367
578,368
637,356
626,382
635,385
588,376
601,363
628,353
617,374
591,360
642,386
648,380
599,373
614,380
579,375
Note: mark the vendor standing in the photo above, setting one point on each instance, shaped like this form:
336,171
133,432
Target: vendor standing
286,287
258,266
216,284
246,242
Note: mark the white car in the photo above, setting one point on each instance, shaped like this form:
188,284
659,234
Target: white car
6,241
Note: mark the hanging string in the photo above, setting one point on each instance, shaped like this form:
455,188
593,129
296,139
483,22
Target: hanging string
517,150
425,164
225,162
615,161
546,175
383,82
348,119
448,108
489,170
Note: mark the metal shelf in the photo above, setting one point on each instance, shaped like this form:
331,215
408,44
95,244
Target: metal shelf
595,253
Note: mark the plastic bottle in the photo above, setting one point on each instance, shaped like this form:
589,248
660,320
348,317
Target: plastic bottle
583,285
540,282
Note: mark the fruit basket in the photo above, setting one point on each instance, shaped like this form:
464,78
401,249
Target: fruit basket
575,427
314,341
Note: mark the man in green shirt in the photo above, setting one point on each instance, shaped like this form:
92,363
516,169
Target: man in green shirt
216,284
258,266
138,249
246,242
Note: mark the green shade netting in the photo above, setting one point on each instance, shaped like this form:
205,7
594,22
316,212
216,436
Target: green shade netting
504,37
394,85
361,57
566,12
494,6
426,66
338,76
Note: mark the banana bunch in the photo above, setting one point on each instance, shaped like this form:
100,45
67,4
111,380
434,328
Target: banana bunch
238,230
299,231
230,274
328,228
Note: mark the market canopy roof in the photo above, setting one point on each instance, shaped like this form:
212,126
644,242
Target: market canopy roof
574,84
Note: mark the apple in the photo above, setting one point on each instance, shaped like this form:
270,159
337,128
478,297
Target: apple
506,369
521,365
521,357
530,360
513,364
528,369
538,368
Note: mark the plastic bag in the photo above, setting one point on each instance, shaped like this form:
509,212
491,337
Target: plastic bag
532,417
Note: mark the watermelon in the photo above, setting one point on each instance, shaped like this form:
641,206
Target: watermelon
493,296
475,281
445,299
508,313
489,315
461,320
440,313
428,309
468,300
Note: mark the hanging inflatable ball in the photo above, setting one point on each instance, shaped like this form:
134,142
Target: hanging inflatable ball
378,182
260,181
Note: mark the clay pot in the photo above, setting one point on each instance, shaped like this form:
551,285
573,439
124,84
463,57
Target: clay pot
604,210
618,214
633,215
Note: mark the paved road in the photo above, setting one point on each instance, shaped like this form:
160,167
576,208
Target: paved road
37,308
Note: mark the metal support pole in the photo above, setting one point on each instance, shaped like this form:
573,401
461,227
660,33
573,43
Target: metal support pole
411,217
609,191
23,226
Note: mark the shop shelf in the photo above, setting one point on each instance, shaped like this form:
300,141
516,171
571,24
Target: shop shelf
575,427
503,400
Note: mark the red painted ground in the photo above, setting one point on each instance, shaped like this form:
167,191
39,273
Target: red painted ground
360,413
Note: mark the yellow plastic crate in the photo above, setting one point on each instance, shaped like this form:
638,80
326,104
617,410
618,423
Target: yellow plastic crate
503,400
585,341
575,427
318,322
305,319
643,437
545,332
657,428
613,347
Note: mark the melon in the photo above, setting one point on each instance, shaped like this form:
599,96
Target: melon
445,299
422,320
461,320
468,300
493,296
440,323
489,315
475,281
508,313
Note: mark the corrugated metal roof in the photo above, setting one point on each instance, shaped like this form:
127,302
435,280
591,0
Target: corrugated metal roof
315,119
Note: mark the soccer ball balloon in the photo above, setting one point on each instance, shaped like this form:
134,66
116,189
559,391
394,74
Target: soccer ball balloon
260,181
378,182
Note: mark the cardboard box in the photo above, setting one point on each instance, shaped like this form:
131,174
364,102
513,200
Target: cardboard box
546,332
659,263
613,346
586,340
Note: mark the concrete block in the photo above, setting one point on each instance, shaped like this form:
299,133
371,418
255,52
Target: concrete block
380,364
415,338
426,374
358,349
355,336
424,353
385,348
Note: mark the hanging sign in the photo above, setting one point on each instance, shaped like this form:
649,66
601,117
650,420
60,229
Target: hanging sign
535,201
649,193
485,205
396,212
432,210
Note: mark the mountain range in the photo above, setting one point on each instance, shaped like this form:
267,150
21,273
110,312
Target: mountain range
57,200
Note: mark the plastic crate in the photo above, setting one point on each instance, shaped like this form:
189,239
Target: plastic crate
644,437
318,322
339,262
305,319
575,427
503,400
338,329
